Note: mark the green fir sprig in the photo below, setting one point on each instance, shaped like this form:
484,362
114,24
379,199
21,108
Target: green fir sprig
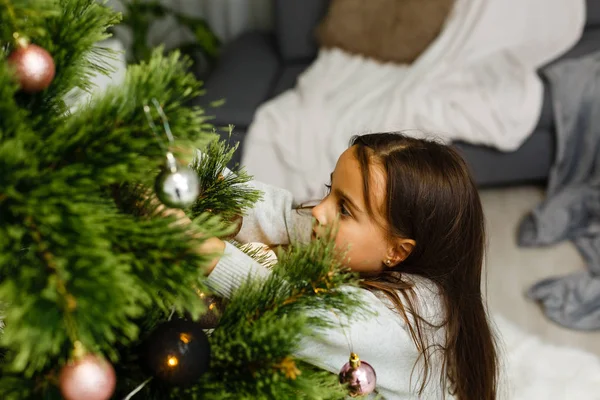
223,192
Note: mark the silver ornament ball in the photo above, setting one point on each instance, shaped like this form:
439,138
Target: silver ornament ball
177,187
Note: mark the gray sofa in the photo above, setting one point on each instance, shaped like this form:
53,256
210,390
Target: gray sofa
258,66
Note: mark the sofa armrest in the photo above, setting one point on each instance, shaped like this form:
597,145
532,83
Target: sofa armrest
243,77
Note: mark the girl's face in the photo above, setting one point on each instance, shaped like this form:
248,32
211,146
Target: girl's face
362,236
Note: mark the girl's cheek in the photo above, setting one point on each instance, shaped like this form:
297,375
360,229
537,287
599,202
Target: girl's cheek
343,256
342,244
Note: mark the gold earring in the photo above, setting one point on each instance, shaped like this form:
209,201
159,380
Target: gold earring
388,262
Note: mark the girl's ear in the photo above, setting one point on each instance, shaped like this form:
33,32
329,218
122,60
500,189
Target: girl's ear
399,251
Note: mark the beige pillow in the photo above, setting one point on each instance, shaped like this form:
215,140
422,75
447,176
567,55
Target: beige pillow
386,30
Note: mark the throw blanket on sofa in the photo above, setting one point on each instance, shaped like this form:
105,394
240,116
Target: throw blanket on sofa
476,82
572,208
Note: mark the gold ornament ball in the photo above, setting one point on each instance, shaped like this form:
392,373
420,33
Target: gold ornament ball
34,67
90,378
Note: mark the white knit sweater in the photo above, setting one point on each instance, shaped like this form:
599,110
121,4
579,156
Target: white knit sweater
383,340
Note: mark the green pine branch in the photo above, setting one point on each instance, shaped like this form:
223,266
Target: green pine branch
14,118
110,140
26,17
260,329
72,40
222,193
264,322
73,265
69,31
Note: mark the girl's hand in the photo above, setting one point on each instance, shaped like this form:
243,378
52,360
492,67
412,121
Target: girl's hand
212,245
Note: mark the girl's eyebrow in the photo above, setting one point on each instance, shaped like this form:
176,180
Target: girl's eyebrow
339,193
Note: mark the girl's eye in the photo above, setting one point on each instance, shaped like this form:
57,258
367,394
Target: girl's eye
341,205
343,210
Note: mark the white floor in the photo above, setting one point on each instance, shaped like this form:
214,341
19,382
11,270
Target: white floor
512,269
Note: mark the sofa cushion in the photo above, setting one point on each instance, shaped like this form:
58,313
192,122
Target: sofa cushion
592,13
288,77
385,30
530,163
295,23
244,77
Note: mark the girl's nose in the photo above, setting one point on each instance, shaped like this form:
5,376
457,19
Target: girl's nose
325,215
319,213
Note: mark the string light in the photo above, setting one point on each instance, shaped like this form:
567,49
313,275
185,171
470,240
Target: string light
185,338
172,361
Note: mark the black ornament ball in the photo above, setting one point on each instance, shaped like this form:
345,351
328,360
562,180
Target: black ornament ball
214,309
177,352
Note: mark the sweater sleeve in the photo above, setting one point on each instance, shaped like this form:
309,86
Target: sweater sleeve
273,221
381,339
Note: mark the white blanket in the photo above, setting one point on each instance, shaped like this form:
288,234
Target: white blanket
477,82
536,370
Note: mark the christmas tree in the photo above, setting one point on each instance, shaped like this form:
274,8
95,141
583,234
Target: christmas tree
103,210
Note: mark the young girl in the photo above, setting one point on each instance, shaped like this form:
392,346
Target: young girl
410,216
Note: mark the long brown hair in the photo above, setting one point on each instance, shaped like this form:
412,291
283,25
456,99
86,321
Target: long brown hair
432,199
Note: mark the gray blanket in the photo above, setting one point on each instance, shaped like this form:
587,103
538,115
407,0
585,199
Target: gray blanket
571,210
